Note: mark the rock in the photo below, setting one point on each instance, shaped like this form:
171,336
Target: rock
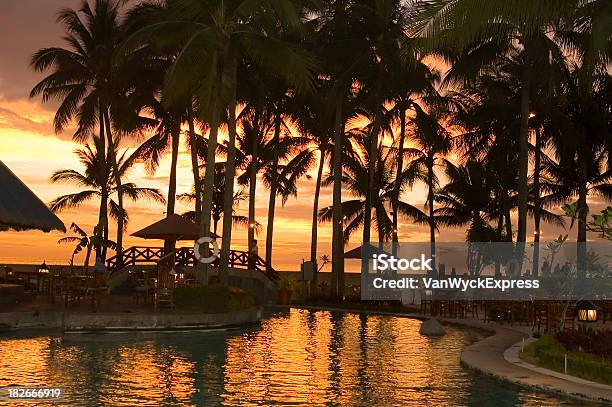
431,327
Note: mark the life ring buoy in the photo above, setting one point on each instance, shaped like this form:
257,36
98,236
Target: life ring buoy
198,255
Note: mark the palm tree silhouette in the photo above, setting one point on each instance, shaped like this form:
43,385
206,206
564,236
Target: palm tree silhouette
85,241
93,186
90,82
355,174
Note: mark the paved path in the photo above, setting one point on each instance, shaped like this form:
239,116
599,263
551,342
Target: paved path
497,356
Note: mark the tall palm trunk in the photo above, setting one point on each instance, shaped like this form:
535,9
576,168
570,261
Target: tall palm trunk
216,225
582,211
230,170
117,174
430,202
253,188
252,192
523,185
105,232
195,167
209,184
337,283
537,201
398,174
103,215
273,192
508,218
315,230
500,228
372,160
381,231
175,135
171,202
86,262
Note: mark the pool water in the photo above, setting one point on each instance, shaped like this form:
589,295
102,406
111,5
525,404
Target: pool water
293,358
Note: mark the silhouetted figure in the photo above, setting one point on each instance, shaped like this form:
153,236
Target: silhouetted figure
253,255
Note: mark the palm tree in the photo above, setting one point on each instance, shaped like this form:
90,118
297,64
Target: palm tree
167,135
491,115
217,208
252,153
469,197
393,70
90,82
483,34
582,151
339,42
260,149
315,122
355,176
281,179
413,82
433,144
95,187
85,241
216,38
169,111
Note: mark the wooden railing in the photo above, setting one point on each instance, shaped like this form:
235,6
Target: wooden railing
150,256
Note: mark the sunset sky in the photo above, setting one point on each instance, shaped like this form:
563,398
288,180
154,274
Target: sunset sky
29,146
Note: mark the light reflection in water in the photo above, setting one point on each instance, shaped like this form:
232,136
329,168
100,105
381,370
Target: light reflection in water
300,357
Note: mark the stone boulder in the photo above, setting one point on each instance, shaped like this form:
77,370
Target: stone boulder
431,327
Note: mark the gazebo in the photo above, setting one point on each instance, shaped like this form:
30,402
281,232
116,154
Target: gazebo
21,209
172,228
356,252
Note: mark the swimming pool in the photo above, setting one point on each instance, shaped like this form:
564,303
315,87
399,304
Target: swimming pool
293,358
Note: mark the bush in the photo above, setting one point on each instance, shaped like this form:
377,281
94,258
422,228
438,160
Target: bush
597,342
212,299
549,353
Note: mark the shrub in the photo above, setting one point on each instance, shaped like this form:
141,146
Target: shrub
549,353
596,342
212,299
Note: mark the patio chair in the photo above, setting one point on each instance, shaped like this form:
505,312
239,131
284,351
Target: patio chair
95,287
145,289
71,289
164,289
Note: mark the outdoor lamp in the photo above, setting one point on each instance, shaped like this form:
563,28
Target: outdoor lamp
43,269
587,311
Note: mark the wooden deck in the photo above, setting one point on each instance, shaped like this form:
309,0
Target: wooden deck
150,256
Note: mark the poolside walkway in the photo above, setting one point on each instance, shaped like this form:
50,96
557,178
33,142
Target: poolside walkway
497,356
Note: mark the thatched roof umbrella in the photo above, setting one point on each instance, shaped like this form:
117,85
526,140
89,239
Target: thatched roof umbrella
172,228
21,209
356,252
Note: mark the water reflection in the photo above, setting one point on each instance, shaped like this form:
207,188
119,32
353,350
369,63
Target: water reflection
299,357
